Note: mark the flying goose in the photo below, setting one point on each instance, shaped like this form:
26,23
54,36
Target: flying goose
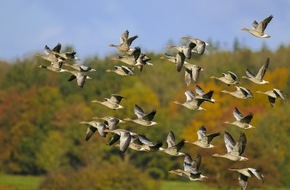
125,42
245,173
258,79
143,118
179,60
259,28
129,59
204,139
56,48
241,93
148,145
273,95
186,50
66,55
229,78
121,70
172,148
171,58
93,127
191,169
191,102
125,139
81,77
111,121
234,149
191,73
82,68
199,45
141,143
118,131
113,102
49,56
142,60
54,66
124,136
241,120
193,166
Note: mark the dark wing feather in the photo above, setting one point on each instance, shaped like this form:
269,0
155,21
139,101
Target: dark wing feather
72,77
211,136
179,145
90,131
131,39
57,48
150,116
248,118
180,58
263,25
170,139
242,143
272,100
114,139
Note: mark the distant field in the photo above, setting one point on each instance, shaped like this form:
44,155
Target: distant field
14,182
179,185
19,182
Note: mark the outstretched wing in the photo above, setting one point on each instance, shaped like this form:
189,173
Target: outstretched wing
237,114
229,141
248,118
242,143
263,24
139,111
170,139
263,69
150,116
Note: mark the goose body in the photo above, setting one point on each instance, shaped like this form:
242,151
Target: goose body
93,127
111,121
241,93
54,66
79,76
82,68
121,70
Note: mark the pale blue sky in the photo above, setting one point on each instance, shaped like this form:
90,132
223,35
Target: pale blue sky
90,25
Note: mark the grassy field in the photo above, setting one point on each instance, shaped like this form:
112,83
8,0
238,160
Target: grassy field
16,182
19,182
179,185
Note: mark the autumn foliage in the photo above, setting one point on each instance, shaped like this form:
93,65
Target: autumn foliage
40,113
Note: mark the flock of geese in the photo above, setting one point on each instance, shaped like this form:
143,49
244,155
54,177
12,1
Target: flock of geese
134,57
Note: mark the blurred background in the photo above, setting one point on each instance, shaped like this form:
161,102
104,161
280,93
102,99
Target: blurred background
42,143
